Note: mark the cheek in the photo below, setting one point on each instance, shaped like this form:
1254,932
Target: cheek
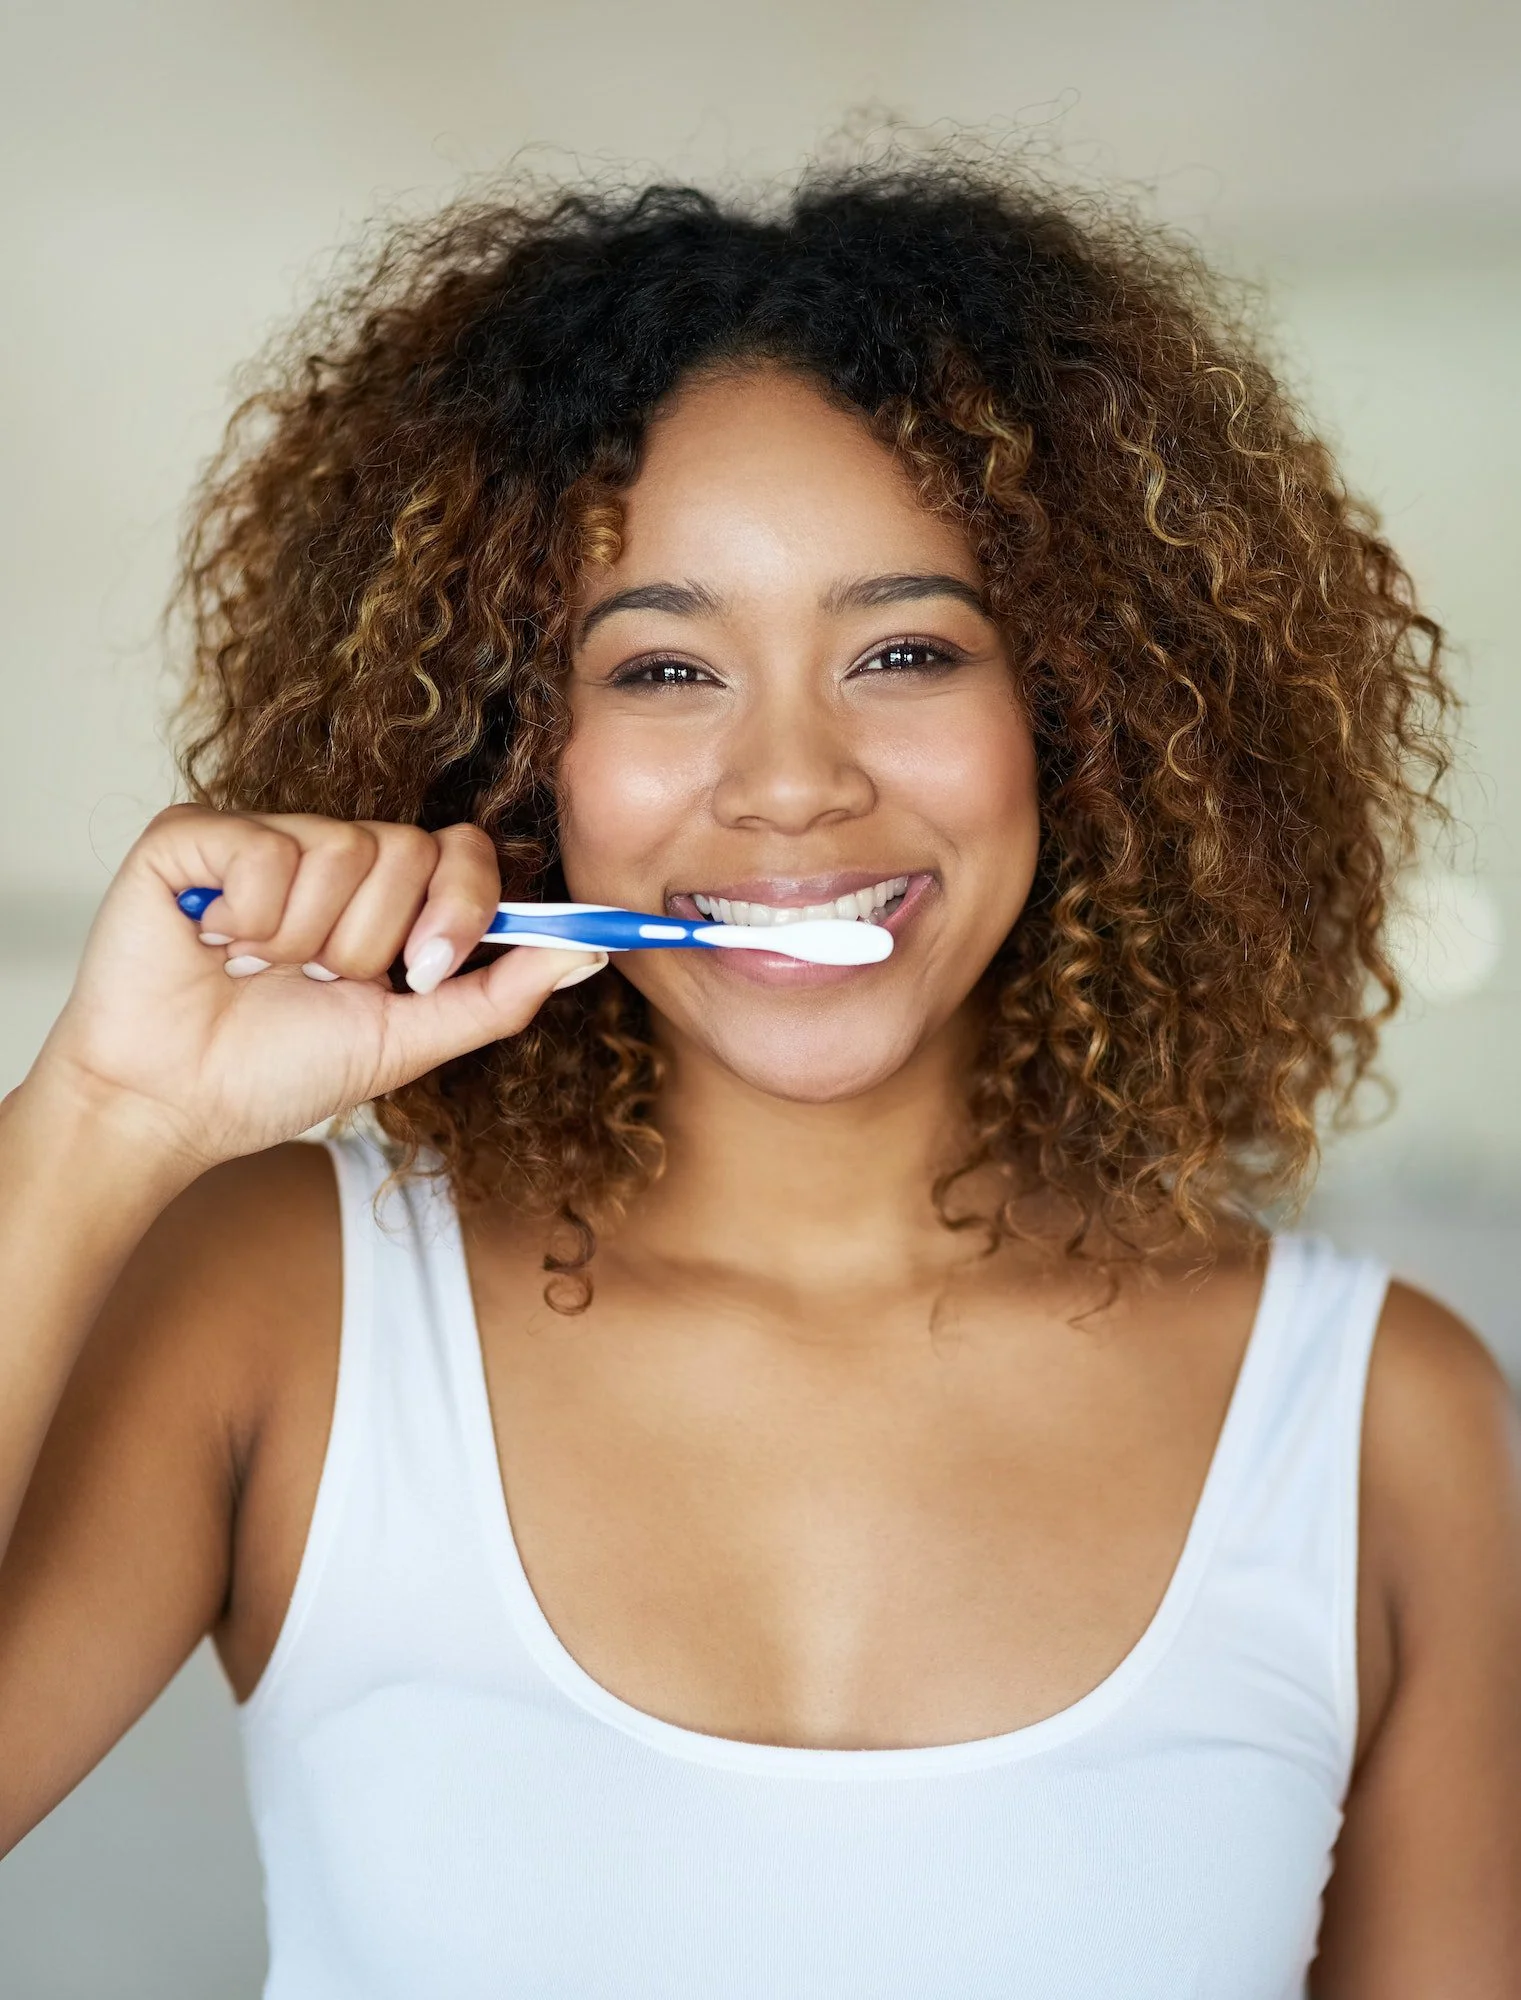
969,771
624,792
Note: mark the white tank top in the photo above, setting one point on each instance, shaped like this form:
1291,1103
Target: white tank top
449,1808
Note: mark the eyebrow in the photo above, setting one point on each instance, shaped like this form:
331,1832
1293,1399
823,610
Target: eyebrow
685,600
694,600
901,588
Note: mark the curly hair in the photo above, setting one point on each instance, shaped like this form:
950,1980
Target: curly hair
1236,698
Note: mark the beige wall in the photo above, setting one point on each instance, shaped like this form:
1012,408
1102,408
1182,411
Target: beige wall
174,174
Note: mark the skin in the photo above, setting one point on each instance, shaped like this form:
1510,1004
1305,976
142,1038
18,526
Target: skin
792,759
808,1471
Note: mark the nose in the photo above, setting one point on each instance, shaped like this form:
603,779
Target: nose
791,763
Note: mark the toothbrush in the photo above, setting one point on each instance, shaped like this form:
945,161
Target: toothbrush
602,927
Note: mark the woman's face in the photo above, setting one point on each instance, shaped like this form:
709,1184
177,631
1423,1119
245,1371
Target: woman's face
784,692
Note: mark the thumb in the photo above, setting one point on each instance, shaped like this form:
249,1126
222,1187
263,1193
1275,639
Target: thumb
426,1029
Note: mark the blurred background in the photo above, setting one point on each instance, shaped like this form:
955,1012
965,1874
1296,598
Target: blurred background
176,177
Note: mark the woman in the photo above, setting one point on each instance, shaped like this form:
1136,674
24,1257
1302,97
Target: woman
747,1479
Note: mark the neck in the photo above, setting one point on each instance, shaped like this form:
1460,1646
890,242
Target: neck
817,1196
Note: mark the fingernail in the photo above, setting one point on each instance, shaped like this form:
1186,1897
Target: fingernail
215,937
427,970
315,971
245,968
579,972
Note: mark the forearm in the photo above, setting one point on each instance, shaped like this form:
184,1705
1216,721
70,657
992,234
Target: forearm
79,1188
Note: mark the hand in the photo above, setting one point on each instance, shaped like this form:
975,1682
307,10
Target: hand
210,1041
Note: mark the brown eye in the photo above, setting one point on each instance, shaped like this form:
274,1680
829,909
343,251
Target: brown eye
661,673
907,656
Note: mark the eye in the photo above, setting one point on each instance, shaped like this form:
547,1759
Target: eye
909,656
660,673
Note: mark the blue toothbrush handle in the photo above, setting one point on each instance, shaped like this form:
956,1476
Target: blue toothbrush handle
196,902
599,928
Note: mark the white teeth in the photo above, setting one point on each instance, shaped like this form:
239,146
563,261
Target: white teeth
861,905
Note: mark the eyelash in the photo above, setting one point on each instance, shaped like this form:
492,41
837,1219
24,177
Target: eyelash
940,657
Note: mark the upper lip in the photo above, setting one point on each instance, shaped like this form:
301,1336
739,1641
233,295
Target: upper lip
784,892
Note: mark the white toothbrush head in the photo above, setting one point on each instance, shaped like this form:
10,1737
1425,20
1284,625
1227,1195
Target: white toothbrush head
820,941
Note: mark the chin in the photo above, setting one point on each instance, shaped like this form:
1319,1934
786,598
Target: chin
811,1062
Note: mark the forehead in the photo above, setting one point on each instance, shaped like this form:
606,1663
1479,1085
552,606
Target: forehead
758,474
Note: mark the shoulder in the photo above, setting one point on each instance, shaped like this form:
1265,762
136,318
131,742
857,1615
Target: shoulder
247,1231
1441,1468
289,1187
1422,1895
1439,1408
241,1273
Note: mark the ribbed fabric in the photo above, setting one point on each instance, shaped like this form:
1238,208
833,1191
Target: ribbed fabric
449,1808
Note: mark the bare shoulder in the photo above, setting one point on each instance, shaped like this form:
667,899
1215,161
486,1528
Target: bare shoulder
1441,1420
1441,1464
239,1267
204,1380
222,1229
1423,1895
229,1213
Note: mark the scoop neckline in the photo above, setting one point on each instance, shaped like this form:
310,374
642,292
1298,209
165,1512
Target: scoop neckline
559,1665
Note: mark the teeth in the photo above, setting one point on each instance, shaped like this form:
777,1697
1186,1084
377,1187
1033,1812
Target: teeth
862,905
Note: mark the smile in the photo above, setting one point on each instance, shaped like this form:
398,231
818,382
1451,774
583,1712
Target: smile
870,905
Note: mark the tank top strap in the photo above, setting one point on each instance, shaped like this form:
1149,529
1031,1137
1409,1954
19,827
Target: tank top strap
396,1521
1288,1551
412,1330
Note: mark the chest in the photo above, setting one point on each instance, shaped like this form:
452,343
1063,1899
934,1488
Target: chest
825,1535
857,1542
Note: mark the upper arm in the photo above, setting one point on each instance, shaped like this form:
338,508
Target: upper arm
1425,1898
122,1557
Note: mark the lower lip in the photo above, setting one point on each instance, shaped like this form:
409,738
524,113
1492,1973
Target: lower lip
774,968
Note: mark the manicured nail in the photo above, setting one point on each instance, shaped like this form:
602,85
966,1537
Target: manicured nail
215,937
427,970
315,971
245,968
579,972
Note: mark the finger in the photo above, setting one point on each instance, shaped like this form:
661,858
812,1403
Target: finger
251,862
368,934
335,858
425,1030
462,897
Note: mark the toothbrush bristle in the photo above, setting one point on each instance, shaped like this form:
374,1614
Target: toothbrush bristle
824,941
